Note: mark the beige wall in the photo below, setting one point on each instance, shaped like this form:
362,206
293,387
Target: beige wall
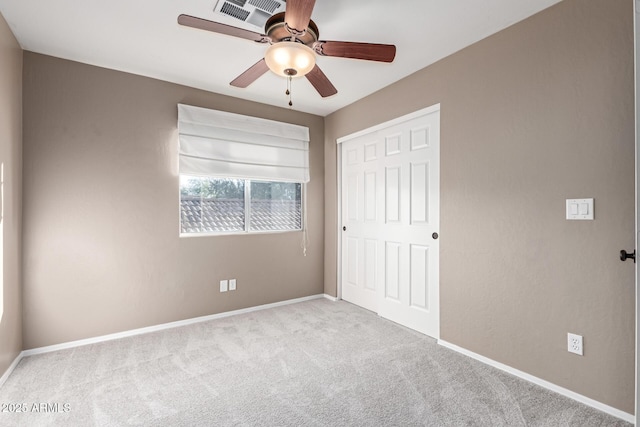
11,157
531,116
101,246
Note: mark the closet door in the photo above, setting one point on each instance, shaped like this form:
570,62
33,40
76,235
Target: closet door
390,213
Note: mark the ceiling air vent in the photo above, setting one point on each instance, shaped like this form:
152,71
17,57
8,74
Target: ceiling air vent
253,12
236,12
267,5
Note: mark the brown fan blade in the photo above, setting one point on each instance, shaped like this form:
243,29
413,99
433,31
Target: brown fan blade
216,27
251,75
298,14
366,51
322,84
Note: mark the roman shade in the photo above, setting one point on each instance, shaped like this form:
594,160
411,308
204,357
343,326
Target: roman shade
217,143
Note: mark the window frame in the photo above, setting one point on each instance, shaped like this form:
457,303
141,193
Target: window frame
247,210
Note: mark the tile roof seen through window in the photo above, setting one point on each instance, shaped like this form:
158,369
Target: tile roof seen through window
228,215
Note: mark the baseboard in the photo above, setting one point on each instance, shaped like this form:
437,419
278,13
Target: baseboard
164,326
542,383
13,365
330,298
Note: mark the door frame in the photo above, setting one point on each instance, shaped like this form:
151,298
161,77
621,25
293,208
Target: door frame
636,32
339,141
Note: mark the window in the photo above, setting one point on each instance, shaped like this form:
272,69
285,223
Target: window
275,206
240,174
224,205
210,205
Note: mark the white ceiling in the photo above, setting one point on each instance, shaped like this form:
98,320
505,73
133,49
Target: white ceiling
143,37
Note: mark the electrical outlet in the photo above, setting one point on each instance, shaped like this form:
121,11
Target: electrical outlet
232,284
574,344
224,285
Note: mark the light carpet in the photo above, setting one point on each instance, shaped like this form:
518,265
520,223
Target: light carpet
316,363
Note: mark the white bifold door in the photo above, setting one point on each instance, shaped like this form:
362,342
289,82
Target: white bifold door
390,208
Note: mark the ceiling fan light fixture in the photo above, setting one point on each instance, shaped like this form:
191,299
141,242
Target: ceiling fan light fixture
290,59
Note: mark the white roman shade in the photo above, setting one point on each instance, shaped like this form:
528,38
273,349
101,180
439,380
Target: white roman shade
217,143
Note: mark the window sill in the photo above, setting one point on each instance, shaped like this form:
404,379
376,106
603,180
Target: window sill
237,233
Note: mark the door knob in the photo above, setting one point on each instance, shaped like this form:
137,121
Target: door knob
624,255
344,228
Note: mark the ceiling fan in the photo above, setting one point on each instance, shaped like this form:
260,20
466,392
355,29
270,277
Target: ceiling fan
294,44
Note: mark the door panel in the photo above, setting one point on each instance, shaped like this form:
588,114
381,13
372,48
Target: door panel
352,197
352,261
370,261
392,267
392,144
370,152
419,193
420,137
370,198
419,277
360,200
392,192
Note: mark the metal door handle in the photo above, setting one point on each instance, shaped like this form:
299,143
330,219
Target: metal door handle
624,255
344,228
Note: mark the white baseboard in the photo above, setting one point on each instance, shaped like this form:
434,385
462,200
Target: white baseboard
542,383
330,298
164,326
13,365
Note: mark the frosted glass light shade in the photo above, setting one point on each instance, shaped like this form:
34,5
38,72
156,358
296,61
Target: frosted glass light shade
290,59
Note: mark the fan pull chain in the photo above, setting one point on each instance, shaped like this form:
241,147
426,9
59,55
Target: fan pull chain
288,92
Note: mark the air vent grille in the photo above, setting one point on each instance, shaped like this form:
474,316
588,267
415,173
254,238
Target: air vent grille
254,13
266,5
236,12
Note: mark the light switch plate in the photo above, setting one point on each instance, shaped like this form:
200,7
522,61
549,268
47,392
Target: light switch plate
580,209
224,285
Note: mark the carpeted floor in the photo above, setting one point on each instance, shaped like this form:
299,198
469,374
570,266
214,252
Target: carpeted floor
316,363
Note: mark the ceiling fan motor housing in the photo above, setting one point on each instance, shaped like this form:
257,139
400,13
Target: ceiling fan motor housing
277,30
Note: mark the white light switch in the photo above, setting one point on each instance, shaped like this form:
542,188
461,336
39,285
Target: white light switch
573,208
584,209
580,209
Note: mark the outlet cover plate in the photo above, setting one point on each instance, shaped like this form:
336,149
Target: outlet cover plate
574,344
232,284
224,285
